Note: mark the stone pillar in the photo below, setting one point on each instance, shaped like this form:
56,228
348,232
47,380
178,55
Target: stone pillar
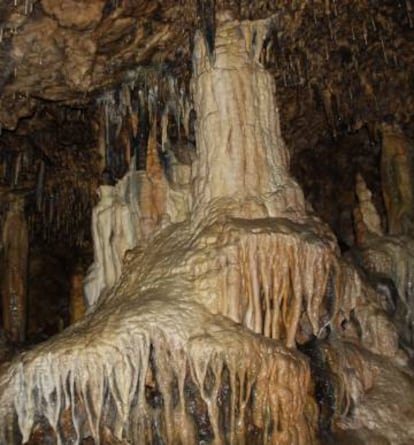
241,153
113,234
14,281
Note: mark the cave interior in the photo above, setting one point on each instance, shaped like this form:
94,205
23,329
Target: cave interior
207,222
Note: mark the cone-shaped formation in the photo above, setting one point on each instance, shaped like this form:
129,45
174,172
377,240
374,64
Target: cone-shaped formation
185,347
241,151
367,219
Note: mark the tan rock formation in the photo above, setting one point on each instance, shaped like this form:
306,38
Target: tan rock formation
78,14
242,155
366,219
392,258
388,260
195,342
397,179
14,279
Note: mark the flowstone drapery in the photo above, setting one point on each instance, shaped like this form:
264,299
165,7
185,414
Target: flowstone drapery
195,342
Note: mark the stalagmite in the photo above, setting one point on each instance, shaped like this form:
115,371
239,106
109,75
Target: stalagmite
113,234
389,259
397,179
369,222
222,170
14,280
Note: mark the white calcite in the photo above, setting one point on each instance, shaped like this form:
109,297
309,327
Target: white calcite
113,234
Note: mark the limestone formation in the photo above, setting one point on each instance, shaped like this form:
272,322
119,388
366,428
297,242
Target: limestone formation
113,234
367,220
388,260
190,373
14,279
220,308
397,183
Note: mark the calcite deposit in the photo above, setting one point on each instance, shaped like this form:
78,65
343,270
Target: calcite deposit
165,359
220,309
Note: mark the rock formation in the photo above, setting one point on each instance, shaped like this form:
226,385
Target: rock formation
367,219
220,308
396,170
113,234
14,279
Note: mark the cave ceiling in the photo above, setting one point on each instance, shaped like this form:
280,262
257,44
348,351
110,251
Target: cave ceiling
339,66
359,53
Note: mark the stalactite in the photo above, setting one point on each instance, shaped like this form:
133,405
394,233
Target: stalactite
124,387
28,7
409,9
39,187
365,33
327,96
164,130
17,170
207,18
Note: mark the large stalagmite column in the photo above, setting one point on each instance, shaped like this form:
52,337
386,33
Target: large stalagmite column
14,282
241,151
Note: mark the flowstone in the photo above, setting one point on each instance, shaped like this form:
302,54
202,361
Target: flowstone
195,343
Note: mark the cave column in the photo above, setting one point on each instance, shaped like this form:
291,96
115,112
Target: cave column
241,153
397,170
14,282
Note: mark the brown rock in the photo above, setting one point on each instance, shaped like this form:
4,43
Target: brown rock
77,14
